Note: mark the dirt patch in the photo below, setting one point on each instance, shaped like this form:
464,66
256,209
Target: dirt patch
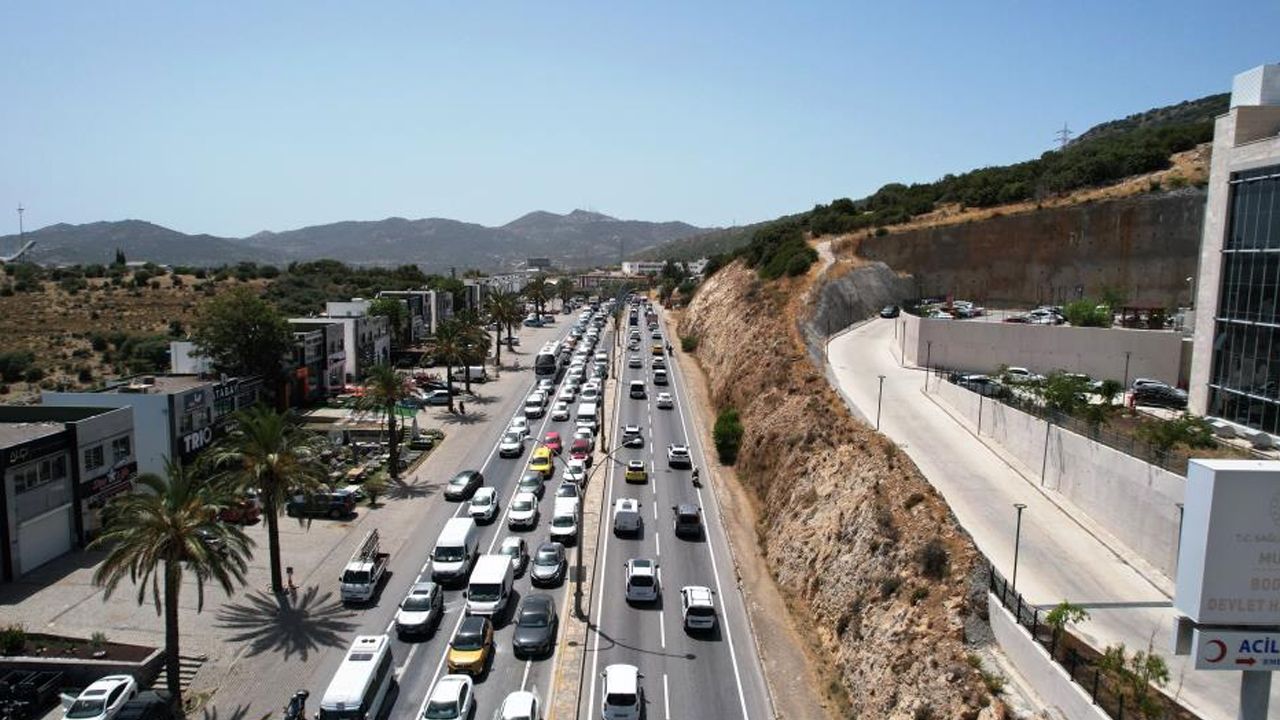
39,645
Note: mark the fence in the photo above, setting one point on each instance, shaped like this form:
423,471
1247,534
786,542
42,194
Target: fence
1082,663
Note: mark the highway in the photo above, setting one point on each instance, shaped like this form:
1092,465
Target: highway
716,675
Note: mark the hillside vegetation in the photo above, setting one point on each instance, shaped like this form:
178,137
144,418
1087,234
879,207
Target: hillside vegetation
1143,143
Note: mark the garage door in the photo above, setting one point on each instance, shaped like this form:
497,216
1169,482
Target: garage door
43,539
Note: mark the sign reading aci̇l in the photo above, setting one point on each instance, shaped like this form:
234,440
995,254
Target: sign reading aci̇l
1235,650
1229,558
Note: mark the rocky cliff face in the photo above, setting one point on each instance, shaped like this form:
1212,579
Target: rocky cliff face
869,556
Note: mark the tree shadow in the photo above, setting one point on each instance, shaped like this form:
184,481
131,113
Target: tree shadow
276,624
612,642
402,490
471,418
483,399
239,712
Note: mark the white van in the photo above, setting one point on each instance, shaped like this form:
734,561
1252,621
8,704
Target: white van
477,373
588,415
456,550
490,586
564,520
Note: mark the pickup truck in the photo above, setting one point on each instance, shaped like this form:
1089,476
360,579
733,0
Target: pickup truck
360,577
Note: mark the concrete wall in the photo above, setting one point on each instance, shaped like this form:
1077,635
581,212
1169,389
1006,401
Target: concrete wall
977,346
151,421
1145,246
1134,501
1046,677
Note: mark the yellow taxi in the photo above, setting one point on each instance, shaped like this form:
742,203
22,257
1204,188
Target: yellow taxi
657,349
636,472
541,461
471,646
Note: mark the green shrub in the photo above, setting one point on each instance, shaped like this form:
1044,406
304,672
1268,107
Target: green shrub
15,363
13,640
933,559
1188,430
33,375
689,343
728,436
1087,313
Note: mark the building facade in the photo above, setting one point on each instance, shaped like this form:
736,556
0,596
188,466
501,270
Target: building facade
175,416
58,466
320,357
642,267
366,338
1235,369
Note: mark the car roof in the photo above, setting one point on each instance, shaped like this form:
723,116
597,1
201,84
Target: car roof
622,679
481,492
635,464
540,602
525,495
687,509
697,594
641,566
472,625
512,542
422,588
517,704
450,686
626,504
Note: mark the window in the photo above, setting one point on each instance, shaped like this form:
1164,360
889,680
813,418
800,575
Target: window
186,424
93,458
121,449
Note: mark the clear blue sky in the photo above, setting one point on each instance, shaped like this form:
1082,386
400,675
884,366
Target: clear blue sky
228,118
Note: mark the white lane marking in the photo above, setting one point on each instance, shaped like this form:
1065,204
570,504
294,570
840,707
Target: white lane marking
601,565
657,536
715,571
666,698
525,679
407,659
662,628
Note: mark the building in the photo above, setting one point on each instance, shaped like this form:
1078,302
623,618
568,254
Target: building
417,305
537,264
475,292
1235,368
319,360
366,338
642,267
185,360
59,467
175,417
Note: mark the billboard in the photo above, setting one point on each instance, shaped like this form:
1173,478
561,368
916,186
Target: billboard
1229,555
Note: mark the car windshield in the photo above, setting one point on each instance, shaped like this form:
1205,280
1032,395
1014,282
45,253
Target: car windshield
567,490
468,641
522,505
512,438
642,581
448,554
548,556
484,592
562,521
460,480
620,699
417,602
441,710
356,577
511,550
481,500
701,611
532,619
86,708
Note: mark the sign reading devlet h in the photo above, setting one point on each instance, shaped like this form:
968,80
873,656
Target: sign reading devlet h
1229,562
1235,650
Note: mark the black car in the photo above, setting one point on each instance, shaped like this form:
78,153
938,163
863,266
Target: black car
688,522
549,564
1159,396
463,485
536,623
331,505
889,311
532,482
147,705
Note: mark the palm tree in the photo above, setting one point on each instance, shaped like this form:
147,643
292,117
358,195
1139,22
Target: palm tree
536,292
473,342
270,454
157,535
384,388
564,289
449,349
503,308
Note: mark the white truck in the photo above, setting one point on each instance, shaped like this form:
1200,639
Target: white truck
490,585
360,577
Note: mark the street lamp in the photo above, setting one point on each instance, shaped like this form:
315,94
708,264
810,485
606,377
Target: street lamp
578,572
1017,540
879,400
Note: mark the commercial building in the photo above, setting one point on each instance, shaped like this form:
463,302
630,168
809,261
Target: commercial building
366,338
642,267
59,466
175,417
417,305
1235,370
319,360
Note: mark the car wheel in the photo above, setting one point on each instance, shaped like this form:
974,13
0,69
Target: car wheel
335,513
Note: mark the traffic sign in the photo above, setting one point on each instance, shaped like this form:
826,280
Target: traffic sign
1235,649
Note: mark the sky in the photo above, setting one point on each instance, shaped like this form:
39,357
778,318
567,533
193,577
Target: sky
234,117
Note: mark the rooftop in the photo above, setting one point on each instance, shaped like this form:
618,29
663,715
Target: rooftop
157,384
16,433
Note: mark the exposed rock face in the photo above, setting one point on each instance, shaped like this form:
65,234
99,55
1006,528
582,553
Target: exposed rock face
868,554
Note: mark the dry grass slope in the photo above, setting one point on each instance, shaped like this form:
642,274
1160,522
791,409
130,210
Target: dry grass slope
850,529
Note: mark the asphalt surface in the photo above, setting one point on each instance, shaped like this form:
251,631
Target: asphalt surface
711,675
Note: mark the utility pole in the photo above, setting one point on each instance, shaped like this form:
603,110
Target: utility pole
20,210
1063,136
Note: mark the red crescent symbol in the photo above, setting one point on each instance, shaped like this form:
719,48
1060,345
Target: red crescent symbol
1222,651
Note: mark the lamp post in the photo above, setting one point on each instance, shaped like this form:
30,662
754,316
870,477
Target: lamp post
1017,541
928,363
879,400
1125,387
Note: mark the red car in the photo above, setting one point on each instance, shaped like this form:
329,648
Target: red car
553,443
581,450
244,512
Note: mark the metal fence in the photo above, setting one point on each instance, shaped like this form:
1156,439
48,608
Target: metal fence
1084,672
1125,443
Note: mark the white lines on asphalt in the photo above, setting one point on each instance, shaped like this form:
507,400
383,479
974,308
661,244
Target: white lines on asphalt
407,659
423,571
657,537
655,517
524,680
666,698
662,630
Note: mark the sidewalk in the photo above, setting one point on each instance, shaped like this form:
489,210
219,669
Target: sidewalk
1059,558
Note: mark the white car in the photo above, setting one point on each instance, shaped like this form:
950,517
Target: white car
569,490
523,512
450,699
626,516
484,505
533,407
520,705
103,699
634,362
560,411
1019,375
622,698
546,385
516,549
590,393
664,401
678,455
642,580
512,444
567,393
697,608
519,424
602,356
575,472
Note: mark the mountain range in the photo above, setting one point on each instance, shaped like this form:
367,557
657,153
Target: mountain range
578,239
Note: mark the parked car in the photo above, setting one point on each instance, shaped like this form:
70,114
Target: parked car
889,311
103,699
148,705
332,505
1160,395
1021,375
982,385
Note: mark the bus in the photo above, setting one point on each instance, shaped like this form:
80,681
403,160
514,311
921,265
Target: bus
362,682
547,363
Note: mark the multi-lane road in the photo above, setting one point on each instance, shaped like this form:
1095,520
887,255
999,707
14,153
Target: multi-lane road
710,675
717,675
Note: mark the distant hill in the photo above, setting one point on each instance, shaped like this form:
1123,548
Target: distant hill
724,240
1189,111
576,240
